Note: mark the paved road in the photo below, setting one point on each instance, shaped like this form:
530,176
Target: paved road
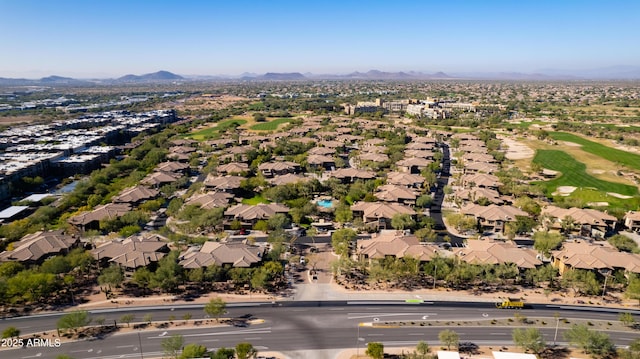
314,325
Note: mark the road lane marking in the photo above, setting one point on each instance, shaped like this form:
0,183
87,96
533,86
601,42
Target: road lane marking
253,338
420,334
375,335
498,333
124,346
385,315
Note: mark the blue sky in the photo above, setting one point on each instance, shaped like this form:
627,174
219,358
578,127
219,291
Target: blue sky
113,38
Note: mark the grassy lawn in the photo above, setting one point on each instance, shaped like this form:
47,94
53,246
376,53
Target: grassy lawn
213,131
271,125
574,174
628,159
255,200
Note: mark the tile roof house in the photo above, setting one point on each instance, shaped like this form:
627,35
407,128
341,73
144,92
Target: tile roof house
287,179
175,167
223,183
209,200
492,217
478,157
221,254
34,248
135,195
233,167
159,179
591,222
132,252
596,256
395,244
272,169
481,180
405,179
250,214
474,194
323,151
393,193
497,252
91,220
373,157
379,213
321,161
480,167
413,164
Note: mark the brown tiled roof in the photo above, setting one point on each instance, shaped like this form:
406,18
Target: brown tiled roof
396,244
319,159
323,151
414,161
278,166
158,178
287,178
381,209
494,212
405,179
476,193
135,194
580,215
223,182
481,180
352,173
133,252
33,247
171,167
107,211
375,157
258,211
599,255
393,193
210,200
496,252
233,167
215,253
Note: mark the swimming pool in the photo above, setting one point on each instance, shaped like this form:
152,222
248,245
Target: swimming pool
325,203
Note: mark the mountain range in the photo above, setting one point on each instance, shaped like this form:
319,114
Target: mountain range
607,73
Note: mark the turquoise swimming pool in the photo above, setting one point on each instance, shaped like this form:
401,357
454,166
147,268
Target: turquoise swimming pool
325,203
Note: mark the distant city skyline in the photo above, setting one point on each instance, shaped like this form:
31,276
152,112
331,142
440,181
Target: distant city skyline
110,39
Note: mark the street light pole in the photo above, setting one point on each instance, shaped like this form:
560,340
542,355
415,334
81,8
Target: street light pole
604,287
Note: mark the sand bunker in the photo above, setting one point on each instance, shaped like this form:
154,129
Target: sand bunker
564,190
517,150
618,195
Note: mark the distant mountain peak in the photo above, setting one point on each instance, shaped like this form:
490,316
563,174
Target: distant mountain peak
154,76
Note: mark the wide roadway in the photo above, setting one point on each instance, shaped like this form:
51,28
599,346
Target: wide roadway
288,326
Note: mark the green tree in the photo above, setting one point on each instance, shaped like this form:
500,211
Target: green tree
375,350
224,353
193,351
148,318
633,288
245,350
169,273
529,339
340,240
623,243
127,318
449,338
545,242
626,319
401,221
111,276
595,343
215,308
423,349
74,321
172,345
11,332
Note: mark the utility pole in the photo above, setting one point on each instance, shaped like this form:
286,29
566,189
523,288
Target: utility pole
140,341
555,336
